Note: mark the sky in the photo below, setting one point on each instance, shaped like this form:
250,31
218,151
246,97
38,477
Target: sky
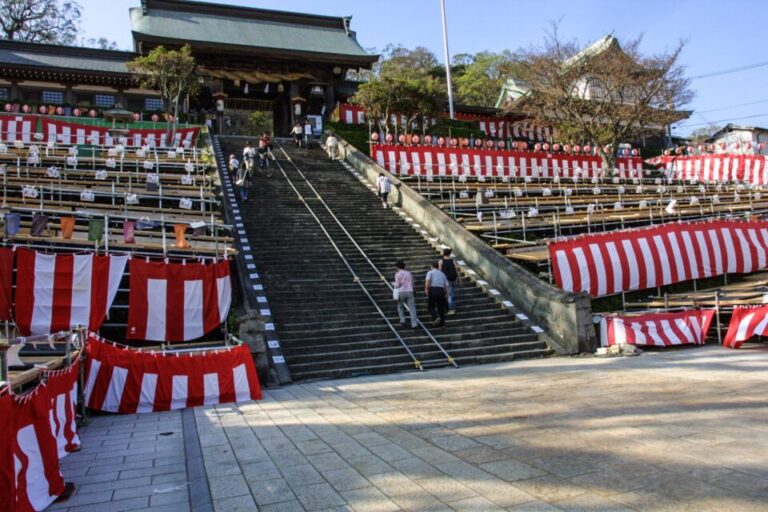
720,36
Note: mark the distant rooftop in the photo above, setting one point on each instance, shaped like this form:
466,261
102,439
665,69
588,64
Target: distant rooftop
259,30
63,58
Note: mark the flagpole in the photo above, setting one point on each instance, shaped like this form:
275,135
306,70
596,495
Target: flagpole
447,62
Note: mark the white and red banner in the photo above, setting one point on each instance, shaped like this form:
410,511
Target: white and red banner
6,283
718,168
173,302
351,114
56,292
487,163
13,128
30,473
620,261
62,386
657,329
63,132
502,128
746,322
126,380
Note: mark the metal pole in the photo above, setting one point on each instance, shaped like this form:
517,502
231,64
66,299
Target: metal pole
447,62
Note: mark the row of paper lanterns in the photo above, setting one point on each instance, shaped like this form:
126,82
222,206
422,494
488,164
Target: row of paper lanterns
709,148
77,112
519,145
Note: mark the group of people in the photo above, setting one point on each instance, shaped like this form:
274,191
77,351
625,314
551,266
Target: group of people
242,172
439,288
302,134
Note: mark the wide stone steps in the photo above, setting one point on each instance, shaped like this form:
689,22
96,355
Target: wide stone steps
326,324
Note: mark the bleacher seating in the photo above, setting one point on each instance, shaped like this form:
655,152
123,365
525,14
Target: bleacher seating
153,202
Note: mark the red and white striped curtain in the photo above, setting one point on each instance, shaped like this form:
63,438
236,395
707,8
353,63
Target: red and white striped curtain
746,322
499,127
36,431
128,381
56,292
657,329
63,132
752,169
13,128
620,261
442,161
351,114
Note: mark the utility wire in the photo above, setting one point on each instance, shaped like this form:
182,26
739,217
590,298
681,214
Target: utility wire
731,106
728,71
725,120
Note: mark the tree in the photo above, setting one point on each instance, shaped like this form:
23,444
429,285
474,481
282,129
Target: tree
40,21
102,43
704,133
170,72
402,82
479,78
604,95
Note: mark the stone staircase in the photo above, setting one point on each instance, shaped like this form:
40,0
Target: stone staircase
328,324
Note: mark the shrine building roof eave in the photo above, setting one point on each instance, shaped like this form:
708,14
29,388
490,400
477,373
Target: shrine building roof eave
266,54
247,30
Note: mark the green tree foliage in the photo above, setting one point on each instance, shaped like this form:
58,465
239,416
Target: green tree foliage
478,78
260,122
402,82
40,21
171,73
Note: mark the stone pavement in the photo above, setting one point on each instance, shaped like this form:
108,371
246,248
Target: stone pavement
678,430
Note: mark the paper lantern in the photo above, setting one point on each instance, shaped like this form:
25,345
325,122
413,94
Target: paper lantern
489,144
155,118
441,141
59,111
587,149
76,112
428,139
577,149
667,152
556,147
92,113
415,139
454,141
735,145
537,147
634,152
607,148
760,146
401,139
545,146
690,149
375,137
464,142
748,145
26,109
678,151
8,107
567,148
478,143
43,109
502,144
136,116
389,138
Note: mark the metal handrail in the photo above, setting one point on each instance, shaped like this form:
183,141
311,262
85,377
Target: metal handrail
367,259
357,280
363,253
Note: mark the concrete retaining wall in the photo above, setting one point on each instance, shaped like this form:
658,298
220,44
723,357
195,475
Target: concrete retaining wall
565,317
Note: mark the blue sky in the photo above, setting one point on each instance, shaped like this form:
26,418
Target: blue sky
720,36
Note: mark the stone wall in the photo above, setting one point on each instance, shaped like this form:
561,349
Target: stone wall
565,317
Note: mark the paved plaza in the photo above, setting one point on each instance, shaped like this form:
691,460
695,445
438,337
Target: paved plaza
678,430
